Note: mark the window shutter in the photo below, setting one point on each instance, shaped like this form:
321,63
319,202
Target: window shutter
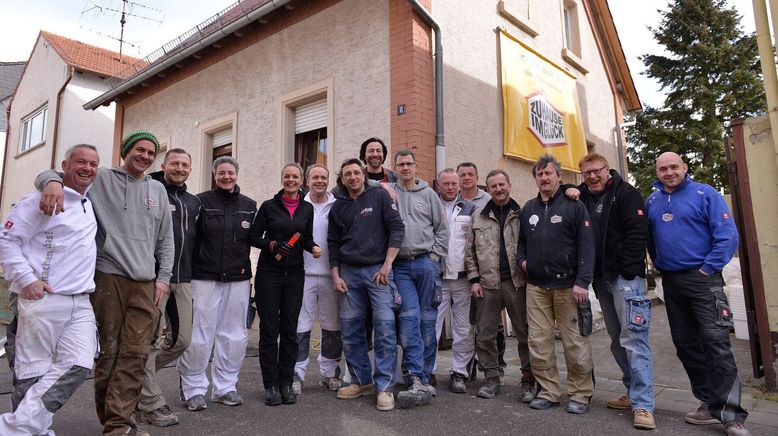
222,138
310,116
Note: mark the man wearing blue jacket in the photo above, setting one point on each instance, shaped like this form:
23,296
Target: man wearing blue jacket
692,237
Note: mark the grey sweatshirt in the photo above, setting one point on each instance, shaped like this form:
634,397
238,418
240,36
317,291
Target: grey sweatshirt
426,229
134,227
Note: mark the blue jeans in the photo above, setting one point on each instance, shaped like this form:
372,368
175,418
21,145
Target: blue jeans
627,315
363,293
415,280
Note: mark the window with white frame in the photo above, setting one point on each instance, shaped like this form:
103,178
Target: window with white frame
310,133
572,32
33,129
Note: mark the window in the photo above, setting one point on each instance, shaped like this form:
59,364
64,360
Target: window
310,134
571,52
33,131
218,139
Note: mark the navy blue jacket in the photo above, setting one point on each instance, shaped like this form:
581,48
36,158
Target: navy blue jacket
362,229
693,231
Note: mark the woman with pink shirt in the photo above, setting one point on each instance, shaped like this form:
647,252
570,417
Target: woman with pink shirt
282,229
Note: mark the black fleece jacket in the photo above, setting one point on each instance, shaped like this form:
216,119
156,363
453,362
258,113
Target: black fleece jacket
273,223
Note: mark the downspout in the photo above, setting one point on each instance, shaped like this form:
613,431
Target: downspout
440,147
53,164
767,60
5,152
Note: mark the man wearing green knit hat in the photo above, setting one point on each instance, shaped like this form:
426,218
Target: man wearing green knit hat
134,237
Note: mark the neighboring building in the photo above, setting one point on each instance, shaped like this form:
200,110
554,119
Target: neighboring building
309,80
10,72
46,114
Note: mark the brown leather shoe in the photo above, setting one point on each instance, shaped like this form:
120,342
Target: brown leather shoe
622,403
354,391
643,419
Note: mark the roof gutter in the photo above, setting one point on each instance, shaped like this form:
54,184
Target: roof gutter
440,147
71,72
202,44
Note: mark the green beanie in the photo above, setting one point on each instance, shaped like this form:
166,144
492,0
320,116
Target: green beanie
136,136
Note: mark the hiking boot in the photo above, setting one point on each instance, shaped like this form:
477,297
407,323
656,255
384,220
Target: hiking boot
231,398
621,403
297,385
576,408
385,401
417,394
490,388
528,387
643,419
457,384
330,383
287,394
701,416
161,417
272,396
542,404
196,403
354,390
734,428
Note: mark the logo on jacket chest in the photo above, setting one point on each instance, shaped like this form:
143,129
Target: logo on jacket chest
533,221
420,207
556,219
150,202
667,217
368,211
599,208
172,207
245,224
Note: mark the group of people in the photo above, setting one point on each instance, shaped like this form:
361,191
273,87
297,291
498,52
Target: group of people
379,260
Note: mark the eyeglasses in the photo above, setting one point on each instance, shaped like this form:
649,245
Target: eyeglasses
594,171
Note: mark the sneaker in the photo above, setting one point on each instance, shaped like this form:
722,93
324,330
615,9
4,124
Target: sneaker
528,387
416,395
231,398
354,390
542,404
490,388
272,396
576,408
297,385
287,394
643,419
701,416
161,417
456,383
330,383
385,401
621,403
734,428
196,403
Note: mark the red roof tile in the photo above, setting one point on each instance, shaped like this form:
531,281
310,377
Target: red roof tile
88,57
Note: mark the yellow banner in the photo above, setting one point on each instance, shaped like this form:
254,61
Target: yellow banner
541,109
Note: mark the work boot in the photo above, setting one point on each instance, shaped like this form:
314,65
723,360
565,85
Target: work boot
160,417
701,416
528,387
272,396
456,383
331,383
490,388
385,401
297,385
354,390
621,403
735,428
643,419
287,394
417,394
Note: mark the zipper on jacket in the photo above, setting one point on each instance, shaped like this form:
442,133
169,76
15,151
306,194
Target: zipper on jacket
183,236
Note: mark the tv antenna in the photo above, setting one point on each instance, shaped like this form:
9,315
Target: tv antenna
128,9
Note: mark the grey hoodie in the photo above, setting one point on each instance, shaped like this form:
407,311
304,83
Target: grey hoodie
134,228
426,229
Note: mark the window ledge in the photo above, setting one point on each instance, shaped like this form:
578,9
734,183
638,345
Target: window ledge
573,59
34,147
522,23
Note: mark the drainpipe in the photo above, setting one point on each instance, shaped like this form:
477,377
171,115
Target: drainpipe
440,147
767,59
71,71
5,152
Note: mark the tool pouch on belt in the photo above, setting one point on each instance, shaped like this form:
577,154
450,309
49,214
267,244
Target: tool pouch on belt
585,318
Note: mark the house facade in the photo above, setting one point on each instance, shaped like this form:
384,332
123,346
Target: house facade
309,80
45,114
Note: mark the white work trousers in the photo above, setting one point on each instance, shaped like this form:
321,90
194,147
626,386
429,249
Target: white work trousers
218,323
322,301
56,341
456,295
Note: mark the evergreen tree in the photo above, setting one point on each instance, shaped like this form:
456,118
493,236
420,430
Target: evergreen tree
710,74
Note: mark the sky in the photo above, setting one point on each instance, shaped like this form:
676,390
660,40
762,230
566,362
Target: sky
92,21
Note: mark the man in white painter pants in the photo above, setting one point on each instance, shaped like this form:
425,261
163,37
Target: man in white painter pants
50,263
319,296
456,287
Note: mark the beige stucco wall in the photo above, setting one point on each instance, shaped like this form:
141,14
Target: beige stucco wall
45,74
763,179
346,44
473,97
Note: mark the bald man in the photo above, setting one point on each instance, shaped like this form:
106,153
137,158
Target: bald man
692,237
